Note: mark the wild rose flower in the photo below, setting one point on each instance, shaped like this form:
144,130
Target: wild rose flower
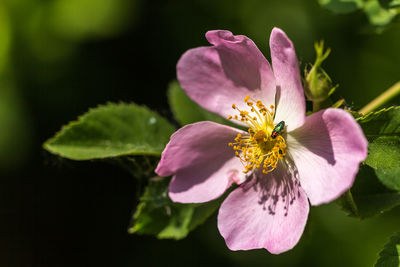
282,160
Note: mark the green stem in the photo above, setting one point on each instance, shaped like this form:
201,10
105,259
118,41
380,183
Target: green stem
382,99
317,106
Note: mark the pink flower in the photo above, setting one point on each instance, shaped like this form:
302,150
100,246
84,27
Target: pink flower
311,159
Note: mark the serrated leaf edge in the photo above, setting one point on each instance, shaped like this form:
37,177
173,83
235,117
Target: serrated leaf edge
46,145
388,244
372,113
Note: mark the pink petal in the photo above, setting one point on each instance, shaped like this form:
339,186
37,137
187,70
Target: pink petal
269,212
290,94
327,150
202,163
218,76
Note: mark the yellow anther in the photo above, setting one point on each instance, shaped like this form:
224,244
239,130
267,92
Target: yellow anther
229,117
256,149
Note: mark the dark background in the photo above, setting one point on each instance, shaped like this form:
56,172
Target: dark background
58,58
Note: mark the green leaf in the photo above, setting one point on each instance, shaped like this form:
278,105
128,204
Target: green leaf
394,3
379,12
377,15
382,129
390,177
157,215
112,130
384,152
390,255
373,191
186,111
342,6
384,157
368,197
382,121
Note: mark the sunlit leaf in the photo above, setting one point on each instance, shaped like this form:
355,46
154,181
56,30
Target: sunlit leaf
374,190
390,255
110,131
384,157
157,215
377,115
382,129
390,177
379,12
377,15
384,152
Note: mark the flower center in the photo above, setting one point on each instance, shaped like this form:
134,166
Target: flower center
262,146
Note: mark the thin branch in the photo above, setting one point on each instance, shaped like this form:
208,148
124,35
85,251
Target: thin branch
382,99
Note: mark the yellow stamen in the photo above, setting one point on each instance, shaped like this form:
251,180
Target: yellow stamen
257,149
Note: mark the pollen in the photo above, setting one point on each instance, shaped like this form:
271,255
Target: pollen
256,149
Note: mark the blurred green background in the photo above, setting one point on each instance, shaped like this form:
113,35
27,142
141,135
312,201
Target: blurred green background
60,57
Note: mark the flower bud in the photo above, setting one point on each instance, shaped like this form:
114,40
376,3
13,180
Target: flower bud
318,85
